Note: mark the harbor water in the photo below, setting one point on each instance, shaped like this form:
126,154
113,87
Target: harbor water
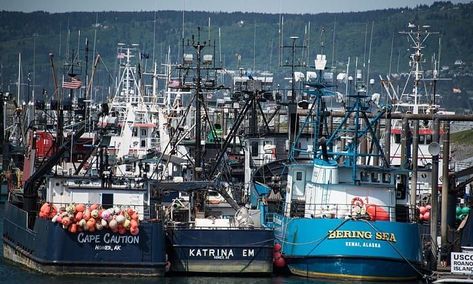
12,273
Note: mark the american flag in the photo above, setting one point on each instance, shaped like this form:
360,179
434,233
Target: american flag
73,84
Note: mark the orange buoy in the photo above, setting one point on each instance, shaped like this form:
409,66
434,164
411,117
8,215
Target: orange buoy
377,213
94,206
66,221
121,229
79,216
86,215
134,231
135,216
73,228
80,207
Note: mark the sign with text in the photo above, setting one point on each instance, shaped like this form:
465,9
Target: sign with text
461,262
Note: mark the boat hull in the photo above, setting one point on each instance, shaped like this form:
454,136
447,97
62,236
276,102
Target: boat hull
220,250
350,249
48,248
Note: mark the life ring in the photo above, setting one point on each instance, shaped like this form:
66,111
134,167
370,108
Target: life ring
357,201
358,205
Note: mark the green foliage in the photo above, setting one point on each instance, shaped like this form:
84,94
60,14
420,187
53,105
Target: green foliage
253,36
463,137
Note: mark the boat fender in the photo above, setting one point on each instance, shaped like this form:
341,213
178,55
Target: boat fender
104,223
94,206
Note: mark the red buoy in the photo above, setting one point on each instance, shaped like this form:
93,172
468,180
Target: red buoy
277,247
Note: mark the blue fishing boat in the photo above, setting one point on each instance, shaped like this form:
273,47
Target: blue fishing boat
337,211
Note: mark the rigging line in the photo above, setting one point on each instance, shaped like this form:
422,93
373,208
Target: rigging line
172,136
395,249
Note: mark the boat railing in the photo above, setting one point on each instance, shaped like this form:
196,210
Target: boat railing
354,210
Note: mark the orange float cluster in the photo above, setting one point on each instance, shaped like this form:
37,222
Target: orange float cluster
79,217
424,212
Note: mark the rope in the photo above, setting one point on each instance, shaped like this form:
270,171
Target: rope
400,254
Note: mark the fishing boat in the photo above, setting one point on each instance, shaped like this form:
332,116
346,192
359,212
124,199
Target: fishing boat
418,96
72,214
207,230
342,213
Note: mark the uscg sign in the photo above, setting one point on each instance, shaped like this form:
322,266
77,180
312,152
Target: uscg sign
462,262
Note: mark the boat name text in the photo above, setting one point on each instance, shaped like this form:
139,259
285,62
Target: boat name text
107,238
367,235
219,253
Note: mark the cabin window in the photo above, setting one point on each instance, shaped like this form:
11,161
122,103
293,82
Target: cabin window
397,138
144,132
374,177
364,176
254,148
143,143
421,139
135,132
107,200
267,142
428,139
386,178
298,176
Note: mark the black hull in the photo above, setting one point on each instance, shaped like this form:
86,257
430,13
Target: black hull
48,248
220,251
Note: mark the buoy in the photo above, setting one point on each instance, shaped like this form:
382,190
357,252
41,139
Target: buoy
422,210
428,206
120,219
80,207
377,213
66,221
135,216
121,230
73,228
79,216
465,210
127,224
277,247
134,231
280,262
94,213
86,215
113,224
421,217
94,206
426,215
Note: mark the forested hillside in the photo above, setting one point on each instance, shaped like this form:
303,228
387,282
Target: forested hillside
252,37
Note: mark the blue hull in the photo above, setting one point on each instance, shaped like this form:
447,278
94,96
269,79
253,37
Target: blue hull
222,250
48,248
350,249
